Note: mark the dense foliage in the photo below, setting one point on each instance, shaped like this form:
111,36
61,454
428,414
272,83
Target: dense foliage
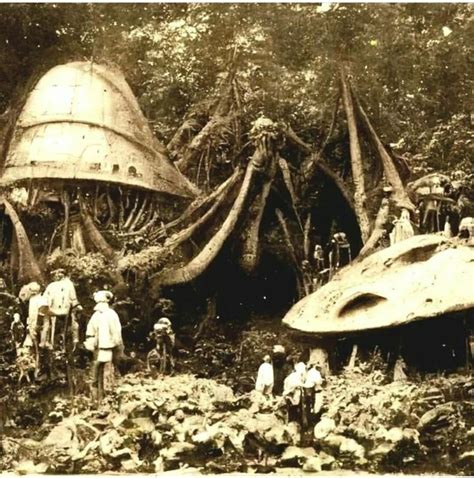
410,62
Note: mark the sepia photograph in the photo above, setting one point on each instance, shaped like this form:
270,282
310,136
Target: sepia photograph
236,239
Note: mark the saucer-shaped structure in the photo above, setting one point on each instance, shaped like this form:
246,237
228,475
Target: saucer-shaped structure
82,122
422,277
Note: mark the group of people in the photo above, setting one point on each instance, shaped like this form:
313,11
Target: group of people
47,311
440,210
52,323
299,383
317,271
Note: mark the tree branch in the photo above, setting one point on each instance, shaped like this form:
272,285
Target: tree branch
356,161
400,196
320,164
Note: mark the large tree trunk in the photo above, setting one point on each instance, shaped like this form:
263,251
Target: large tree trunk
400,196
250,247
213,128
183,136
200,263
286,173
220,122
187,233
198,205
356,162
379,230
310,166
95,236
28,268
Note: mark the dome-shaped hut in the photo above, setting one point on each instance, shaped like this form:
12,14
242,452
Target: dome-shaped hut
82,122
83,170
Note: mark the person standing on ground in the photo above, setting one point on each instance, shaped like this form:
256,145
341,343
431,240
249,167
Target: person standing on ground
37,304
311,386
264,382
402,228
61,298
17,330
161,356
281,368
293,391
103,338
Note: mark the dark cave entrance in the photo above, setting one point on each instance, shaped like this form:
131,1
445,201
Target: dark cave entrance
268,293
331,213
271,290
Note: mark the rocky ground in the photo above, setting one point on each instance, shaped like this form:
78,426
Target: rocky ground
195,424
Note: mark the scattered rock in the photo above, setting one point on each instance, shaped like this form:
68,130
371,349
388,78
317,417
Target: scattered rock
175,450
123,452
439,416
326,460
210,428
325,426
131,465
110,442
157,438
29,468
382,450
353,449
394,435
116,419
296,455
144,424
313,464
61,436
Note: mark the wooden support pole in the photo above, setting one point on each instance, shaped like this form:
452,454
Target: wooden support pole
131,216
66,205
352,360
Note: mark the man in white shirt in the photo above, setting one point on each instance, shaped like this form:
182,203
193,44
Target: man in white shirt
61,299
103,338
264,382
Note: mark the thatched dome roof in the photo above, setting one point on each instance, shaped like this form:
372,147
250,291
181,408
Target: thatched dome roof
82,121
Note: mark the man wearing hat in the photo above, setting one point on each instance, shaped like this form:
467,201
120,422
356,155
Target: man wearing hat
37,309
61,299
103,337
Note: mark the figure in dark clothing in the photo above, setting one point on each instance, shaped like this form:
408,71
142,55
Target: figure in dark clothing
281,368
340,252
17,330
318,257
